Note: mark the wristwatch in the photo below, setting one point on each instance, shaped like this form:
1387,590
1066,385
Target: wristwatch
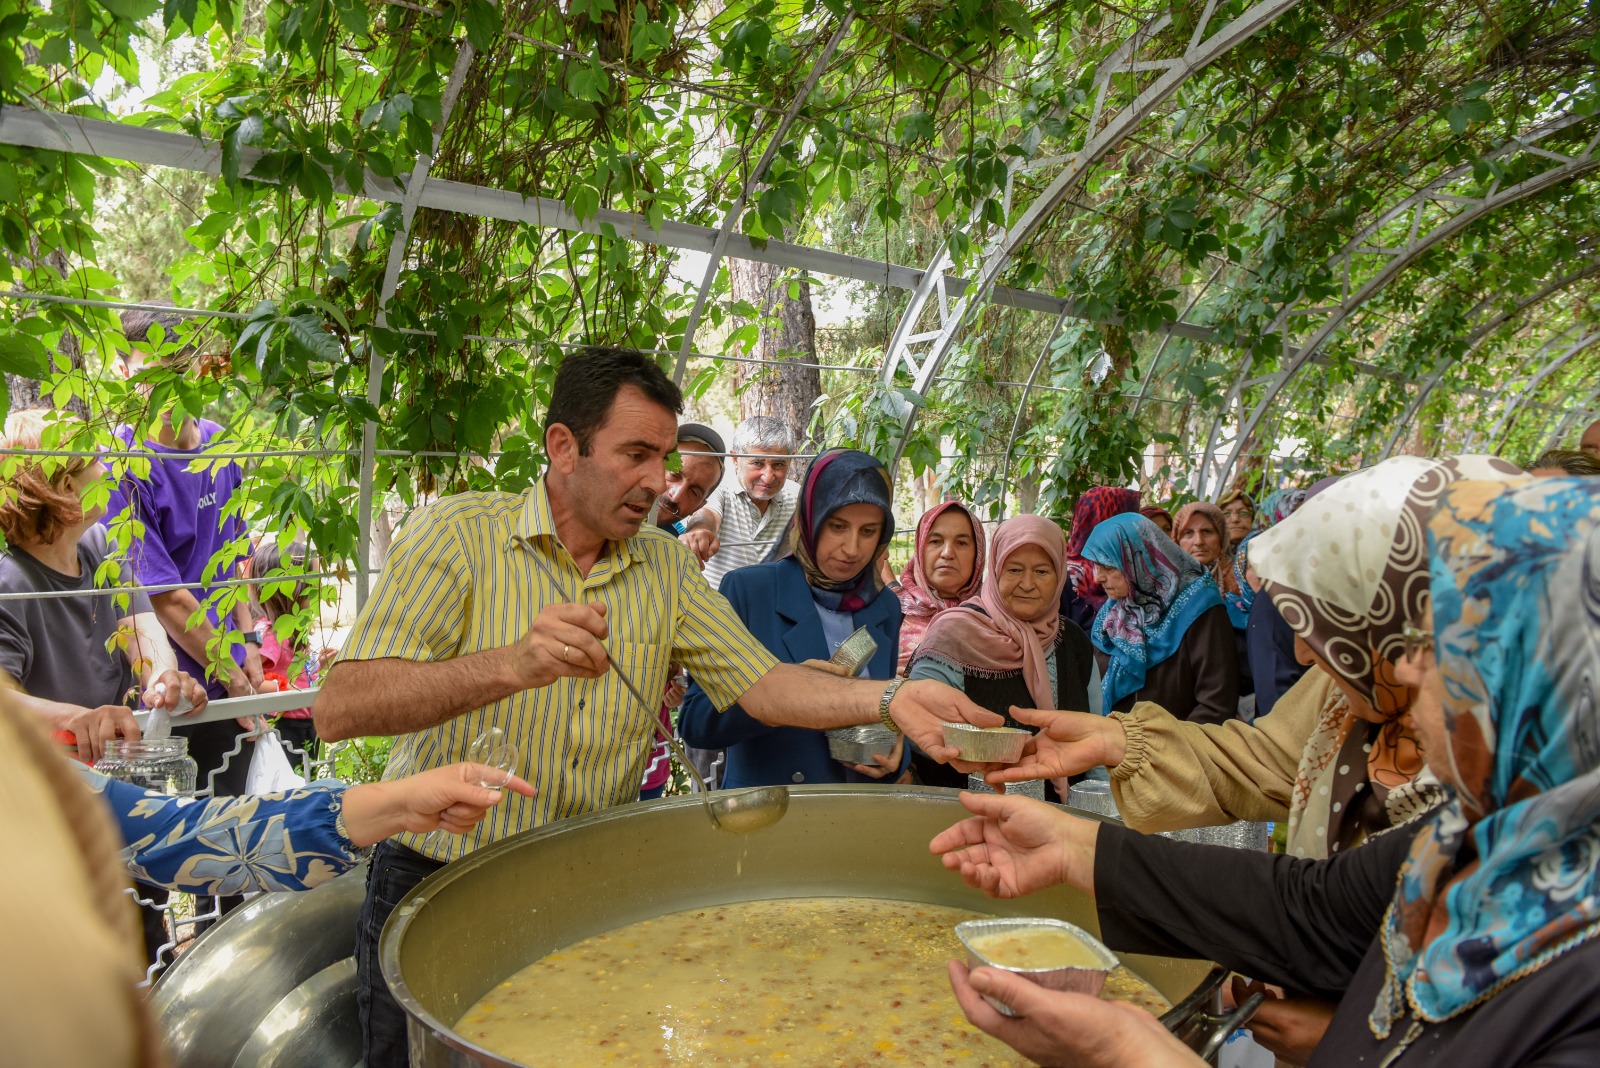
883,705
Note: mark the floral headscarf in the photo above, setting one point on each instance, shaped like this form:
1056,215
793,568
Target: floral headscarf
919,601
1240,598
836,479
1278,506
1516,622
993,641
1347,571
1168,591
1097,504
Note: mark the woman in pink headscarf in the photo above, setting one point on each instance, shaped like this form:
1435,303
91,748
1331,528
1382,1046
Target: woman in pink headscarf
946,568
1011,645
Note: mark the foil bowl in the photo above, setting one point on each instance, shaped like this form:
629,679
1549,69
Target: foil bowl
987,745
1075,980
1033,788
858,745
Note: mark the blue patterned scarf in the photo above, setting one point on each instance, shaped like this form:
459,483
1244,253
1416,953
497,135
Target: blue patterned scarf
1516,620
1168,591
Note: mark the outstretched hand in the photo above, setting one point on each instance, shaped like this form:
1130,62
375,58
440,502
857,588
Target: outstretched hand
1014,846
1057,1028
1068,743
447,798
920,709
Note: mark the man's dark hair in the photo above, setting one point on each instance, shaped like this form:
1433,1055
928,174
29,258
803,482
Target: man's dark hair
588,382
1569,460
136,324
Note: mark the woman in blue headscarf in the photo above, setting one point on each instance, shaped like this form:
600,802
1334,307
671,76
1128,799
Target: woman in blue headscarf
1163,633
802,606
1468,938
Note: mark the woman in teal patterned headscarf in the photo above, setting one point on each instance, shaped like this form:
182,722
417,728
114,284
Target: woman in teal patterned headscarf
1505,877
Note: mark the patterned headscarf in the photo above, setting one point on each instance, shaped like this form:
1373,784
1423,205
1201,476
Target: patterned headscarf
1168,591
837,479
1347,571
1278,506
1516,623
919,601
1242,595
1097,504
995,642
1151,511
1219,567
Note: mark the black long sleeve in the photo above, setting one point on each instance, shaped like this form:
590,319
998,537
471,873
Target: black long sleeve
1302,924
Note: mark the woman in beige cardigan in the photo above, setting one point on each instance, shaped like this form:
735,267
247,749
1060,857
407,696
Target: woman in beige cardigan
1334,757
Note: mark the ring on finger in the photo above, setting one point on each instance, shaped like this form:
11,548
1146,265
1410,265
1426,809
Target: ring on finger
566,651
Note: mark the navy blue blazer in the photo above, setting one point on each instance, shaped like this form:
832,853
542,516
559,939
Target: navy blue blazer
775,602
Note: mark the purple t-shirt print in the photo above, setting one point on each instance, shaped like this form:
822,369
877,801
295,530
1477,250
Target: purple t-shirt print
182,513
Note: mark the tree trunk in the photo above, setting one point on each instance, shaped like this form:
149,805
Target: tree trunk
785,390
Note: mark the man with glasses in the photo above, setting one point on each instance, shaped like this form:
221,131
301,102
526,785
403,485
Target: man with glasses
739,527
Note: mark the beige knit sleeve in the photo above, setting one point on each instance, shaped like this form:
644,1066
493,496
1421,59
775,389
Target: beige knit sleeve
1178,774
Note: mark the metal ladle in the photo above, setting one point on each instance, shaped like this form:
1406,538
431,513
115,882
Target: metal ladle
745,811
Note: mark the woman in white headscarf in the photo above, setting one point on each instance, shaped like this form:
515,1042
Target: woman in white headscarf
1334,757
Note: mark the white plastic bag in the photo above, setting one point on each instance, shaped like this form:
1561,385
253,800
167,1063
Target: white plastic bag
270,771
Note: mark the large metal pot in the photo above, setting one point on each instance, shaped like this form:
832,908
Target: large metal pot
273,985
474,923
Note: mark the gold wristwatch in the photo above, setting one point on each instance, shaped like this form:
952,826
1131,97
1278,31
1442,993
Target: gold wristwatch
883,705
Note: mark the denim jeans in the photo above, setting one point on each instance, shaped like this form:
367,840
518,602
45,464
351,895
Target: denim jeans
391,875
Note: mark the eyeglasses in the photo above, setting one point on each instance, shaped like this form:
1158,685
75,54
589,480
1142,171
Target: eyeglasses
1415,640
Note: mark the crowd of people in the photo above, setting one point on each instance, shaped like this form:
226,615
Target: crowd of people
1399,663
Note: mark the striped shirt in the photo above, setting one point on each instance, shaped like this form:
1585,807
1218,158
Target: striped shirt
747,535
455,583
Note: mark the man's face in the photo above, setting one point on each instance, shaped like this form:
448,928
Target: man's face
688,489
1590,442
762,473
613,487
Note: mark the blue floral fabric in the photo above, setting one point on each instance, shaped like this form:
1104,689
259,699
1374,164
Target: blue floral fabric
1239,603
1506,875
230,845
1168,591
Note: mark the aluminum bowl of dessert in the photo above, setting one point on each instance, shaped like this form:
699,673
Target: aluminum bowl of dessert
641,935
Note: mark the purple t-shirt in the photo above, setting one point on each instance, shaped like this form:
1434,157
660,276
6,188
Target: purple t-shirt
182,513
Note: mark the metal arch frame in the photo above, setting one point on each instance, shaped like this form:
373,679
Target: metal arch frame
1022,405
1102,139
1403,257
1514,408
1434,191
1166,339
60,132
725,229
1476,340
1471,440
934,278
1587,409
391,282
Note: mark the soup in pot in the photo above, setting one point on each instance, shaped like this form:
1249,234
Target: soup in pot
804,982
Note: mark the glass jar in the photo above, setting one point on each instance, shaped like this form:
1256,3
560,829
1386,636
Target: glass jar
160,764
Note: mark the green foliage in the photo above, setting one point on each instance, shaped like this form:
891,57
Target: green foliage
1231,204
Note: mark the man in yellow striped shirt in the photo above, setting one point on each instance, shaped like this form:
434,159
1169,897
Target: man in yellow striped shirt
464,631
